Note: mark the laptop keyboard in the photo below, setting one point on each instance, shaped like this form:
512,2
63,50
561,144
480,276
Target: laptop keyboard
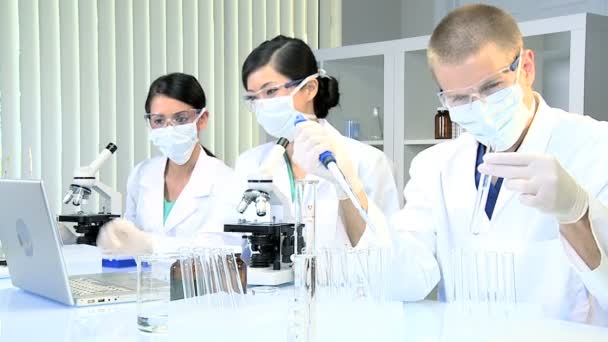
85,286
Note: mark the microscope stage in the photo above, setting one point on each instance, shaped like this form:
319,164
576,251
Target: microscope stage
269,277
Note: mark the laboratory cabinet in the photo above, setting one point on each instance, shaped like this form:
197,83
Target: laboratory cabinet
388,95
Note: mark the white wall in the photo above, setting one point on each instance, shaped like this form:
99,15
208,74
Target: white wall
74,75
524,10
367,21
361,89
418,18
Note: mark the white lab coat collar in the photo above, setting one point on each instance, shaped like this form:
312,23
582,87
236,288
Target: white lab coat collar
462,162
152,183
199,185
536,141
281,175
539,133
281,179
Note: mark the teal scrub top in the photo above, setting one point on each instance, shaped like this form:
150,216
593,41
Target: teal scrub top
167,207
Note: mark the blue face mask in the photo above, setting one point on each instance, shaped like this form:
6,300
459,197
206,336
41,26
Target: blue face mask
497,121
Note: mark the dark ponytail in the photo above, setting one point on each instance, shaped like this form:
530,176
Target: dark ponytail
182,87
294,59
328,96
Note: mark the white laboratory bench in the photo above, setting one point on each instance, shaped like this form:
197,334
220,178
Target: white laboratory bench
26,317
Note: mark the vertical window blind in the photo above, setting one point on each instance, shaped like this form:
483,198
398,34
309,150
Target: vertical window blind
74,75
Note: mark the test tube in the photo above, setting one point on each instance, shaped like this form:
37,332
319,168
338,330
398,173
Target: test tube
483,188
482,279
508,278
186,263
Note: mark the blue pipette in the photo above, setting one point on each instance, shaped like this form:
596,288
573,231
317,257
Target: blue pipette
329,161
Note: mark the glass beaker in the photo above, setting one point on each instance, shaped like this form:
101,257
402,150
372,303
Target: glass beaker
154,276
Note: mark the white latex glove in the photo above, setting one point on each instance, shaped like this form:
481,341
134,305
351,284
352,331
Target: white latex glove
542,182
121,237
312,139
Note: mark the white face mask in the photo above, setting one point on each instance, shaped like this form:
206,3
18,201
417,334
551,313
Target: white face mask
277,115
497,121
177,142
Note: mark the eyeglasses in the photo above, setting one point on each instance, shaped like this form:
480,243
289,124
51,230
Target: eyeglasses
268,92
176,119
482,89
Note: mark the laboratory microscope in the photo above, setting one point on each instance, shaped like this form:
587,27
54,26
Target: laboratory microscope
268,224
87,224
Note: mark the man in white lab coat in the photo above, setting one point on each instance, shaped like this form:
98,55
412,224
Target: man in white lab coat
548,200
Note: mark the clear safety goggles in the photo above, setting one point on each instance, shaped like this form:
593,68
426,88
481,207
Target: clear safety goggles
490,85
269,91
176,119
256,99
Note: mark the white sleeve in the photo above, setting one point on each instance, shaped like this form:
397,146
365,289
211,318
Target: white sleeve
596,280
227,193
132,194
379,183
241,167
382,197
414,268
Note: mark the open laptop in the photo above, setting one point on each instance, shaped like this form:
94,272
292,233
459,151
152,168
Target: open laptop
32,244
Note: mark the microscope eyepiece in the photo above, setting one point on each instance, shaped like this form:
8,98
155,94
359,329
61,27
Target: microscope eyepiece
261,205
68,197
243,205
77,199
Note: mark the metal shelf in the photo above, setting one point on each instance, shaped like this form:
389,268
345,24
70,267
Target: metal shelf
373,142
424,141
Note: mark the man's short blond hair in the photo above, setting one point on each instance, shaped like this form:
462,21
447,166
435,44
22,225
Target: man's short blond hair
467,29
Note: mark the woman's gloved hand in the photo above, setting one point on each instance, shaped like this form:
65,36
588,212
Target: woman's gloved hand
312,139
122,237
68,235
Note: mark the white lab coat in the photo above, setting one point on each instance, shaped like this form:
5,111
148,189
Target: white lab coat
439,204
374,170
208,200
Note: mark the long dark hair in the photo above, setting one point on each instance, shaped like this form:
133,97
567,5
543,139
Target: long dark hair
293,58
182,87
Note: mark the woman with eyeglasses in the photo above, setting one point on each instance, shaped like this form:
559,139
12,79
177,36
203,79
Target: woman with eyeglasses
282,83
176,196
